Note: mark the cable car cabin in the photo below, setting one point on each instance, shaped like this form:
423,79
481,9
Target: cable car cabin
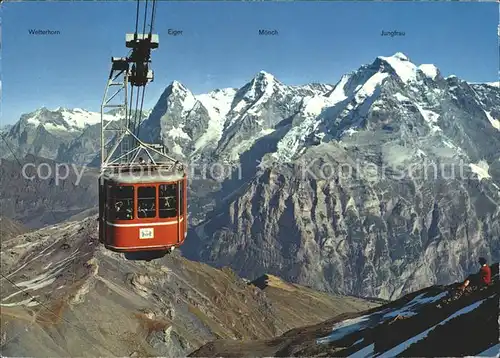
142,211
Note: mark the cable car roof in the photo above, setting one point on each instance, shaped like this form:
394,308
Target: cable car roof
137,177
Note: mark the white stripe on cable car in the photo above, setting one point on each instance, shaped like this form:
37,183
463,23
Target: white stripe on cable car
145,224
140,247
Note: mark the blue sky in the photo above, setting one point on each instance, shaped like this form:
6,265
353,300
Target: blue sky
220,46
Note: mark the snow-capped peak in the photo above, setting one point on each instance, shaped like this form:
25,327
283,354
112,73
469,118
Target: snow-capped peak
261,83
265,76
402,66
400,56
256,92
177,86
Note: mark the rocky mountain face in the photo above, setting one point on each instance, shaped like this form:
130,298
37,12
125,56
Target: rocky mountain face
425,323
46,192
64,294
64,135
387,182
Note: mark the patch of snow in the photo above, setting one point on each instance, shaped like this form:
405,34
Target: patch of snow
400,348
177,149
449,144
26,244
34,284
481,169
215,125
264,132
79,118
406,70
344,328
33,121
187,99
369,87
493,351
290,143
314,105
41,253
494,122
350,131
400,97
240,106
430,117
365,352
408,309
429,70
218,104
177,132
30,302
338,94
57,127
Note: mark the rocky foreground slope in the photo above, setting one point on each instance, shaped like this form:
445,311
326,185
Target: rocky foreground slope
62,294
426,323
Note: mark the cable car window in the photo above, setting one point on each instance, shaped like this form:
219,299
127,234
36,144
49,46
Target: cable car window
146,202
121,202
168,200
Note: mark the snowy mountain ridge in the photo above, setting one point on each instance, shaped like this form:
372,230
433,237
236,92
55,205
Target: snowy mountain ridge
69,135
233,120
222,112
64,119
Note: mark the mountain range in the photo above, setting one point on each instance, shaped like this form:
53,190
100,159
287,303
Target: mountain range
397,221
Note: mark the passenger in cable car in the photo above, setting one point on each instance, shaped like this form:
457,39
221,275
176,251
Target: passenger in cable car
144,209
121,212
168,200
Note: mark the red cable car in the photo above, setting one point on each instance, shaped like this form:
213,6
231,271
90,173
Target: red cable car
143,208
